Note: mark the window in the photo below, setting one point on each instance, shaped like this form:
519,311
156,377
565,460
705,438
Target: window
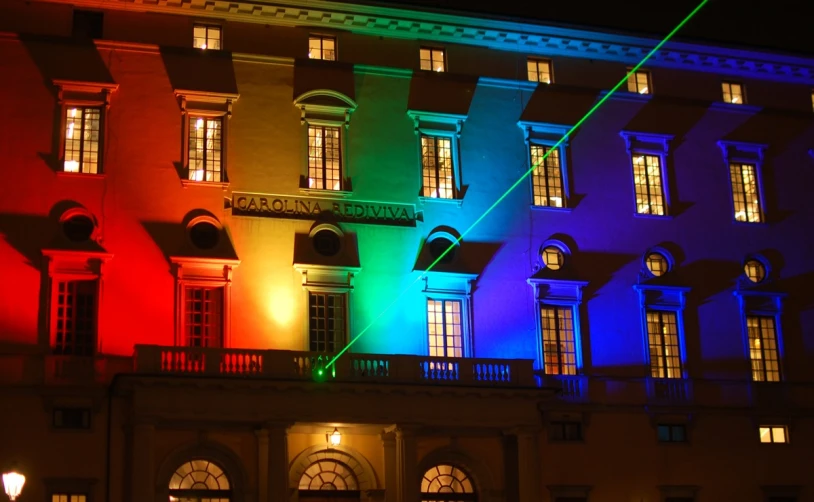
200,480
447,482
552,257
75,317
812,100
207,37
205,149
327,475
639,82
774,434
324,158
745,192
87,25
539,70
437,170
82,125
763,348
326,321
733,93
68,497
443,249
547,179
327,242
648,185
657,264
321,47
559,346
754,270
203,316
204,235
433,59
672,433
71,418
445,327
665,352
565,431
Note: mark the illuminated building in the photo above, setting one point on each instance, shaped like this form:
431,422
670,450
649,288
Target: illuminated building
196,215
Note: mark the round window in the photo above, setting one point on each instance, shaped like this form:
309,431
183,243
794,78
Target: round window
553,257
78,228
657,264
439,245
204,235
327,242
755,271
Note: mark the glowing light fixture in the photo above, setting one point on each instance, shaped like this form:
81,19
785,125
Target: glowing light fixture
333,438
13,483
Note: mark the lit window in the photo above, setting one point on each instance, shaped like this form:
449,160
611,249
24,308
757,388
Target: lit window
639,82
812,100
447,482
324,158
75,317
82,152
565,431
774,434
320,47
327,475
648,184
326,321
445,328
206,37
559,347
437,167
546,178
665,354
672,433
657,264
745,192
205,149
553,257
754,270
539,70
200,480
433,59
65,497
763,348
203,316
733,93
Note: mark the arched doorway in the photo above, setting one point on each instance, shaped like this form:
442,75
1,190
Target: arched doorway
329,480
447,483
200,480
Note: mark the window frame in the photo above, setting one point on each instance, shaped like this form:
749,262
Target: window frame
547,135
433,49
338,344
737,152
574,310
680,342
450,286
771,428
752,302
632,74
670,427
440,125
205,105
331,279
537,60
207,25
664,298
657,145
558,293
83,94
322,37
730,83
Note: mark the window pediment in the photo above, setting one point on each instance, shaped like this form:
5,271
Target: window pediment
72,262
85,93
452,283
738,151
544,132
327,277
664,297
437,123
325,107
204,269
647,142
557,291
218,103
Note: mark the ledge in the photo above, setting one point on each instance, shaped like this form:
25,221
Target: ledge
456,201
552,209
326,194
732,107
95,176
223,185
627,96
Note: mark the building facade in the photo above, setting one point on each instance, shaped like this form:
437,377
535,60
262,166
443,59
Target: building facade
261,252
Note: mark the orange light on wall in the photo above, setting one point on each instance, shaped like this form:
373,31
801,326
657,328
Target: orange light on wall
13,483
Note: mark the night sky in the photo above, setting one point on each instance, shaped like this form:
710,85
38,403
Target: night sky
786,25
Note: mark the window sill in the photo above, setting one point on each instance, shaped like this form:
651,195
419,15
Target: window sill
733,107
653,216
98,176
553,209
754,224
318,192
628,96
223,185
455,201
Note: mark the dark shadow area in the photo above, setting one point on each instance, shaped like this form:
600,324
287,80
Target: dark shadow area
470,257
306,253
775,261
441,92
314,74
557,104
198,70
599,267
28,234
178,239
799,300
573,199
772,211
707,278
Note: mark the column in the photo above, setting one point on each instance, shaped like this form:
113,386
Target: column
262,464
407,482
390,476
277,477
528,464
142,480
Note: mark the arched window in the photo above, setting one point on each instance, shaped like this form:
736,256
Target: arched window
329,479
447,483
200,480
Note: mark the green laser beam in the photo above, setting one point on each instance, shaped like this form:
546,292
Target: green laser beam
519,180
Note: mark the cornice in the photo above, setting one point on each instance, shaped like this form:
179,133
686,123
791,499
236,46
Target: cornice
529,38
